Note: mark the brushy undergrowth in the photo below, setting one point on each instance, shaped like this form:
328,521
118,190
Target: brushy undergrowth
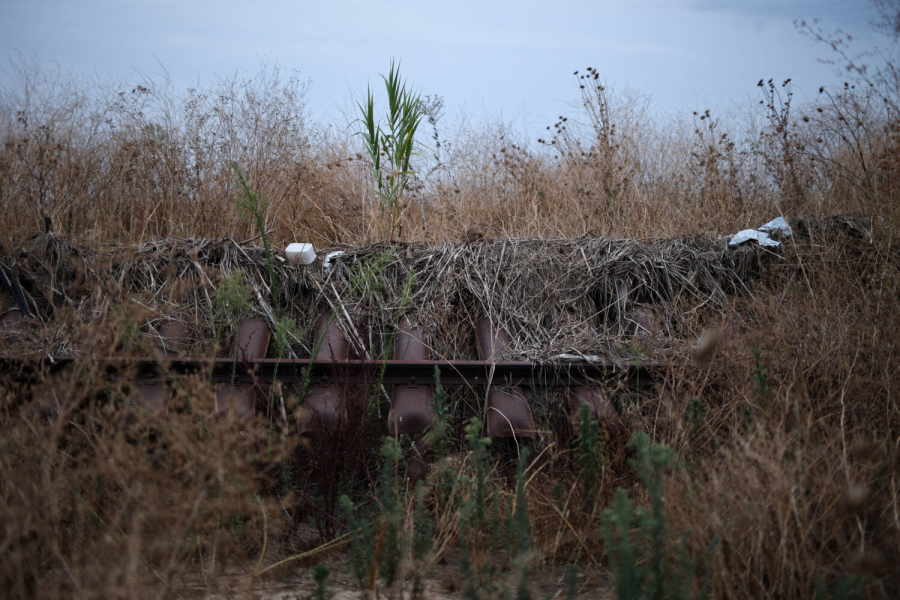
774,471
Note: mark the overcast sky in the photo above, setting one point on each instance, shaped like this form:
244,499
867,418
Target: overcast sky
487,57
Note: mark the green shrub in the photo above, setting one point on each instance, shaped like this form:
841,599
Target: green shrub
641,556
588,454
320,576
362,547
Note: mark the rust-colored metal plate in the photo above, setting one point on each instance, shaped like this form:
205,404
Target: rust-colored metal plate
645,324
410,404
409,343
410,409
252,342
491,341
324,410
152,397
330,340
171,340
241,399
252,339
13,321
599,403
508,414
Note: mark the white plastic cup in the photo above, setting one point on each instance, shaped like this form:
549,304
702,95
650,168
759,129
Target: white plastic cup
303,254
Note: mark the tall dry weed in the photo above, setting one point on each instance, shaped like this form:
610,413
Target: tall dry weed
788,455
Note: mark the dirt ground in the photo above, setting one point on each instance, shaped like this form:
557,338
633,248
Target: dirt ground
443,583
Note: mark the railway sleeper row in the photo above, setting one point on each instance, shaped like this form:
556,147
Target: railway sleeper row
247,375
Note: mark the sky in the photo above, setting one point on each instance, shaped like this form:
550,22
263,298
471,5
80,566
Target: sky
513,60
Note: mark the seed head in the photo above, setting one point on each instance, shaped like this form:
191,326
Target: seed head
855,498
706,347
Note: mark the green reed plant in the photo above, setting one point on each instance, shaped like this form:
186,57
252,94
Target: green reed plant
254,207
232,297
320,576
285,334
848,588
392,541
473,528
479,449
588,454
365,277
380,548
439,440
695,414
423,541
498,527
231,300
760,378
438,437
362,545
471,584
571,582
406,294
390,145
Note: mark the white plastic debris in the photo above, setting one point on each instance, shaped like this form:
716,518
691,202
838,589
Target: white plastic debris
328,258
761,235
303,254
779,225
746,235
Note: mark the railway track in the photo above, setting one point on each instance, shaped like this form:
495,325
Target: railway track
244,380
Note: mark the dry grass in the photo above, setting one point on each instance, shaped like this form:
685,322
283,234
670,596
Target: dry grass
789,456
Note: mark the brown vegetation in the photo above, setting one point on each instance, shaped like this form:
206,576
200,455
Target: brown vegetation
787,434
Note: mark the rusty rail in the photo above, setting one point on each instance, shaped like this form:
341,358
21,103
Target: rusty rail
507,412
351,371
411,410
243,380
